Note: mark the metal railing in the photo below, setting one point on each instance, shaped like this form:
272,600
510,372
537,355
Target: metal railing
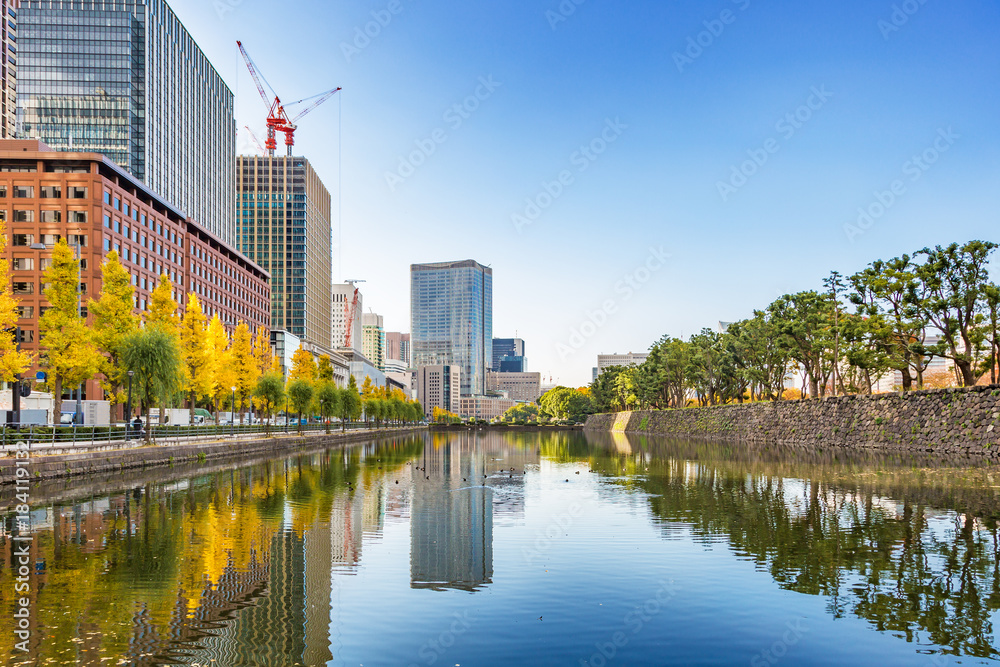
120,436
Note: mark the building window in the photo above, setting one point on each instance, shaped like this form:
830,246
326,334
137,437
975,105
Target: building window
23,264
22,288
46,263
50,191
23,239
76,192
26,336
77,239
51,216
25,312
24,191
107,221
78,216
51,239
24,216
107,197
3,191
118,204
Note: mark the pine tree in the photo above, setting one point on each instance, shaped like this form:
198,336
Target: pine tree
194,353
12,361
114,320
70,354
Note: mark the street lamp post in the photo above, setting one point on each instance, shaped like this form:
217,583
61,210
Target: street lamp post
128,405
286,414
232,415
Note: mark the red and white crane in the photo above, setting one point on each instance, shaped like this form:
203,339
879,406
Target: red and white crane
277,117
350,307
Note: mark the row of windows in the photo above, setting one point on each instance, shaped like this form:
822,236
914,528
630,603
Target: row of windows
45,191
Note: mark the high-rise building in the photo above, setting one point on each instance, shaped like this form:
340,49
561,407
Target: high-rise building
438,387
373,337
8,68
96,207
283,221
347,306
126,79
397,346
518,386
508,355
451,311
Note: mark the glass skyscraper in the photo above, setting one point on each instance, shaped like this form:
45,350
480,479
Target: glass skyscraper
125,78
451,319
283,220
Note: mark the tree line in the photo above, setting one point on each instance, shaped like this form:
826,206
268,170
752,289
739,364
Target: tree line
169,357
898,315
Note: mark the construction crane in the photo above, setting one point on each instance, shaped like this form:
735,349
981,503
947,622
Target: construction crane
256,141
277,116
349,309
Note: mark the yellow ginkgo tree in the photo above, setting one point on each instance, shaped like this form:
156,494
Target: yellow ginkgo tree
13,362
114,320
195,357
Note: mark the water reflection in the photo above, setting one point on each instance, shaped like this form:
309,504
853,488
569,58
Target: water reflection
252,566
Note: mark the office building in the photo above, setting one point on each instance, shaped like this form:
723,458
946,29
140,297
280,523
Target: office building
397,346
97,207
508,355
451,311
283,221
484,407
518,386
126,79
438,387
605,361
346,312
8,68
373,339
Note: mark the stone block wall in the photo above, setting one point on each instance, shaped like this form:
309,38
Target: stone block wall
945,421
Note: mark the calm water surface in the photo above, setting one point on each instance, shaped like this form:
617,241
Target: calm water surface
524,549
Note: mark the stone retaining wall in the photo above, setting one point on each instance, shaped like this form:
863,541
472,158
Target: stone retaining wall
943,421
120,460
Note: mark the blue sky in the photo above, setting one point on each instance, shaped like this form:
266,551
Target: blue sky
873,85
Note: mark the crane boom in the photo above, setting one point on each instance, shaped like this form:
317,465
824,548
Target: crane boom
323,98
253,73
255,140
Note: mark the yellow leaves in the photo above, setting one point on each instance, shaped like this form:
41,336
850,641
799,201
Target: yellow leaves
69,344
262,351
222,370
12,362
194,349
162,307
303,366
114,319
367,388
243,361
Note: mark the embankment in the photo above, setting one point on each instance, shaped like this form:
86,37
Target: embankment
89,464
944,421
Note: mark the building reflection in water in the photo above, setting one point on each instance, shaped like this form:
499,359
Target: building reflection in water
459,481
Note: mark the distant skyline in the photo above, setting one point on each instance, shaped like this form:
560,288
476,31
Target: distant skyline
680,164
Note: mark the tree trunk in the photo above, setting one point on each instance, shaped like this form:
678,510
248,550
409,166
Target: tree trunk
57,399
149,426
965,368
191,415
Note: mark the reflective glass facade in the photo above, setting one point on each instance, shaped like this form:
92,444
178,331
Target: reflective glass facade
283,224
125,78
451,318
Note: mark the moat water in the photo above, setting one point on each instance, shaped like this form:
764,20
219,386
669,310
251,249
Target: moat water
528,549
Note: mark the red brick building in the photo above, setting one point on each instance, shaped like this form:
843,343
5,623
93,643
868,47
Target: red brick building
97,207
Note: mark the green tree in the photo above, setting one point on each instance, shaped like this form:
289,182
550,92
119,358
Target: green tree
350,404
328,399
324,370
802,321
114,320
154,356
954,280
195,353
269,393
70,354
300,393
